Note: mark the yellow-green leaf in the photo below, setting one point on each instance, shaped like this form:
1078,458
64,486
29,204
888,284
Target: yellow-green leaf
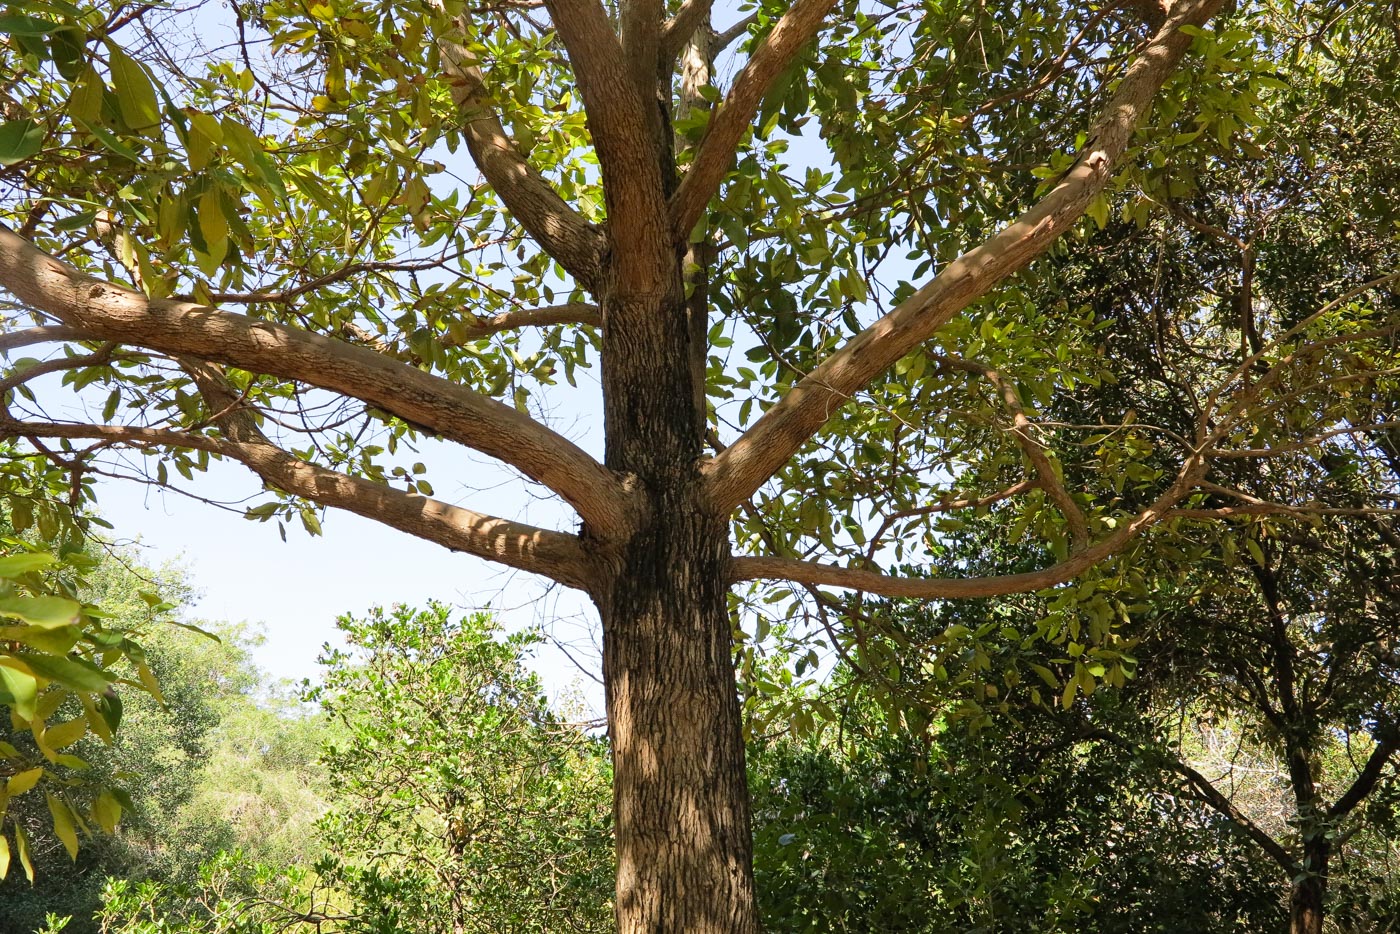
54,641
63,826
48,612
21,686
76,673
212,223
4,856
85,103
21,782
207,124
1067,698
107,811
65,734
50,701
12,566
22,844
148,680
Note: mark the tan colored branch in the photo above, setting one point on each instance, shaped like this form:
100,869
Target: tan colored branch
784,428
734,116
555,226
681,27
627,136
725,38
939,588
479,326
57,365
44,334
539,551
112,312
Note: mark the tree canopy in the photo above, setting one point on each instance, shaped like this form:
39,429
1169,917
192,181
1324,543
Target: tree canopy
809,260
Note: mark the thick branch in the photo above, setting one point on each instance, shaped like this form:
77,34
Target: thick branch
479,326
1366,779
45,334
555,226
782,430
732,119
112,312
641,22
539,551
57,365
681,27
627,136
723,39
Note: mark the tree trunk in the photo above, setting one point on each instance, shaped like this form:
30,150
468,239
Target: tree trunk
1305,908
680,792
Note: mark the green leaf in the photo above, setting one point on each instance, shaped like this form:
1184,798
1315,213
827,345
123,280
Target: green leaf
22,687
136,96
13,566
16,24
78,674
109,707
20,139
107,138
48,612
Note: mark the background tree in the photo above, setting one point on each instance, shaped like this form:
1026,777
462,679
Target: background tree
460,802
381,301
201,767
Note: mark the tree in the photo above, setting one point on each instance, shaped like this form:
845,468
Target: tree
149,200
459,802
188,766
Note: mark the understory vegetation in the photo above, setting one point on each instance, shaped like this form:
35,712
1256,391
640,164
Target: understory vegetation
424,784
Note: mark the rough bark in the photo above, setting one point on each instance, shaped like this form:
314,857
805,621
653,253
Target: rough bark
1306,906
682,824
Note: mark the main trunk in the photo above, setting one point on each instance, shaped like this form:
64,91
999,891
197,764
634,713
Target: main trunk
1305,907
681,805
